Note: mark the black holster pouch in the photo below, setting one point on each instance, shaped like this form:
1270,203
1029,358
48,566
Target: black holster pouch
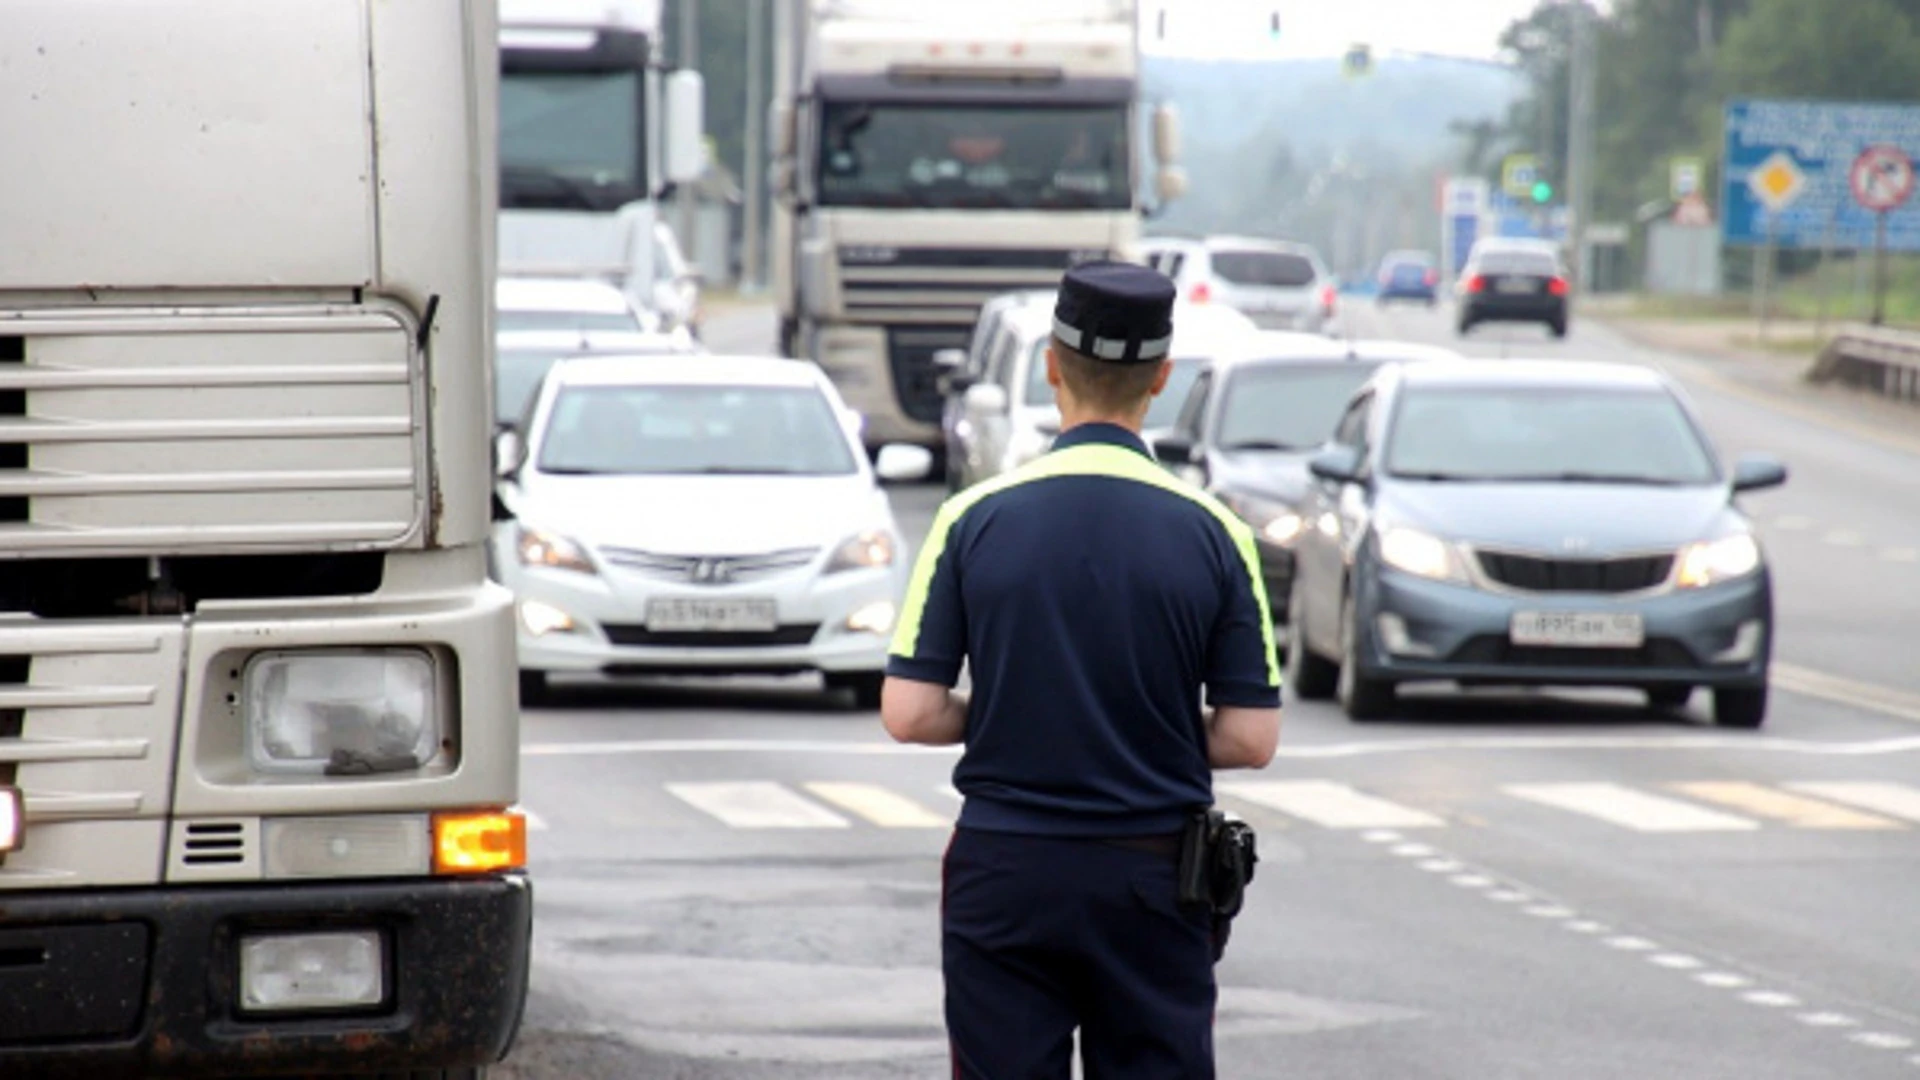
1217,856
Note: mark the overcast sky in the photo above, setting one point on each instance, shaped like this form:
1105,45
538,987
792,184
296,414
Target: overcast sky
1239,28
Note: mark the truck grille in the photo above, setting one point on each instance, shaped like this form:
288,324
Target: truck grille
1534,574
141,435
906,286
93,711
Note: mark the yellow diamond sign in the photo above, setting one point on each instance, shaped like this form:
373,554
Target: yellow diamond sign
1777,182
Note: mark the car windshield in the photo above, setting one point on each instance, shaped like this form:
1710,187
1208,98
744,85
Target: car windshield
998,157
1159,414
1286,406
583,321
1561,433
570,140
694,430
516,377
1266,269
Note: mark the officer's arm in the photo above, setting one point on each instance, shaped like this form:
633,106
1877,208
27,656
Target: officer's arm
1242,738
923,712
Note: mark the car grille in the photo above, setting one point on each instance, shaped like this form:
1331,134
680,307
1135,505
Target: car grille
710,569
916,381
635,634
1534,574
1494,649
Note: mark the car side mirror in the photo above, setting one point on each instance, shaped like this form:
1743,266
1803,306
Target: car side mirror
1174,450
509,453
1755,472
987,399
950,360
900,463
1337,463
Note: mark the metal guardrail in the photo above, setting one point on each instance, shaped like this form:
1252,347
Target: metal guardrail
1874,359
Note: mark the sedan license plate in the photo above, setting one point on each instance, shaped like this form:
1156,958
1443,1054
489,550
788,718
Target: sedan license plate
1578,630
686,614
1518,286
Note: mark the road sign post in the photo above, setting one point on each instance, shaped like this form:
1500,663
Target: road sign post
1882,181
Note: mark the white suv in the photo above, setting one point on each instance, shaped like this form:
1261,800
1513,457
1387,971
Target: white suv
1279,284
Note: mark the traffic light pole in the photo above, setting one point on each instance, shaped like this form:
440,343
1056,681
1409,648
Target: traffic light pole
1580,119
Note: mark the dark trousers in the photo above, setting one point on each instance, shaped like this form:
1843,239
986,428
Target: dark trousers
1042,935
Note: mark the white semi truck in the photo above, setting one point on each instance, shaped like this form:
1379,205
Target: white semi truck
258,739
592,130
929,156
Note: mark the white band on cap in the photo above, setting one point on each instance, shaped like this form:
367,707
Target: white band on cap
1108,348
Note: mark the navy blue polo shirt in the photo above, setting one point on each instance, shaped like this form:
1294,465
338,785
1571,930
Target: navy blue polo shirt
1094,595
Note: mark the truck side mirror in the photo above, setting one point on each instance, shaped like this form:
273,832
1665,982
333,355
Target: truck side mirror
1170,183
780,134
1166,135
686,126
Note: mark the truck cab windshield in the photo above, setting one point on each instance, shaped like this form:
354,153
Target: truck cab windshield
986,157
571,140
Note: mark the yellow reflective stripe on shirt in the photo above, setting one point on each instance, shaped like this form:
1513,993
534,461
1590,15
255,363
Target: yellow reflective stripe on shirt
1087,459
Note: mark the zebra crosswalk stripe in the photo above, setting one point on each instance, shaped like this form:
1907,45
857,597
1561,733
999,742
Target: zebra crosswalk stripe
1801,811
879,805
1879,796
1330,804
757,805
1631,809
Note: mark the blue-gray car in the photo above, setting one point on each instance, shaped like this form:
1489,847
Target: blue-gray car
1530,523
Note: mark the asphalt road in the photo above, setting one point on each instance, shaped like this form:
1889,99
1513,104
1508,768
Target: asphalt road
1501,885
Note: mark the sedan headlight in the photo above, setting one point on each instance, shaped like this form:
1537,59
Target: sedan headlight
1275,522
1420,554
869,549
341,712
539,548
1711,562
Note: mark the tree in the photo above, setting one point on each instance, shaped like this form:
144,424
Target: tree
1854,51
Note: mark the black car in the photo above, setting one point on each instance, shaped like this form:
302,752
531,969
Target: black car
1513,284
1529,523
1250,424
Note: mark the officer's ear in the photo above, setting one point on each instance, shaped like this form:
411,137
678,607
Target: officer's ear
1160,380
1053,367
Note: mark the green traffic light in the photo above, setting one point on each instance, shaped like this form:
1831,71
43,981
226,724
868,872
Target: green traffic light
1542,191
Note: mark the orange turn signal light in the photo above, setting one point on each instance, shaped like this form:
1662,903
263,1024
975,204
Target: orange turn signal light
477,843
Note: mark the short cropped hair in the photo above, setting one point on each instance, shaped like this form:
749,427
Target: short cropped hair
1104,386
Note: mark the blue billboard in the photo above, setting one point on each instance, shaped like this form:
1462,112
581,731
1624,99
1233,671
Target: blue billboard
1807,148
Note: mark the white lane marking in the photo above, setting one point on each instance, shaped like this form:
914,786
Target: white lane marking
1587,926
1797,810
1630,809
1381,836
1843,538
1901,555
535,823
1439,866
1411,851
1335,806
1880,1040
1629,943
1550,911
1471,881
757,804
1508,896
1793,522
1675,961
1722,980
1880,796
1828,1020
1770,999
1872,697
880,806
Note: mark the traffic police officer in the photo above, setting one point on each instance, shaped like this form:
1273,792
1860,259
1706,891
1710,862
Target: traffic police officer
1093,596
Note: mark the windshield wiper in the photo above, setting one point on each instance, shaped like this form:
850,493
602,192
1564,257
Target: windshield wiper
1446,477
568,470
1259,444
528,183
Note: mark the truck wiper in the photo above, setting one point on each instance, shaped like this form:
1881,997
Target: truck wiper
526,182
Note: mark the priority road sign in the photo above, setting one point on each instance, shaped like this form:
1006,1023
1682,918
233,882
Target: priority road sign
1882,178
1777,182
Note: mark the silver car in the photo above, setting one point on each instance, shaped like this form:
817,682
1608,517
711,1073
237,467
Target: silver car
1280,284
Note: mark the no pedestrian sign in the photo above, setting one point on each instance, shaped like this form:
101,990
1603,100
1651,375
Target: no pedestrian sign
1882,178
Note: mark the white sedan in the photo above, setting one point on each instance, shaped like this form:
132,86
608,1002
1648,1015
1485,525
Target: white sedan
710,516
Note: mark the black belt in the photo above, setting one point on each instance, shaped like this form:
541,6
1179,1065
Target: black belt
1166,845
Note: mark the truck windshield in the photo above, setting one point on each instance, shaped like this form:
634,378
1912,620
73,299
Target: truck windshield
571,140
986,157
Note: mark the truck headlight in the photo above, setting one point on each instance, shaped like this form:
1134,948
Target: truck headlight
292,972
1420,554
1711,562
341,712
869,549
